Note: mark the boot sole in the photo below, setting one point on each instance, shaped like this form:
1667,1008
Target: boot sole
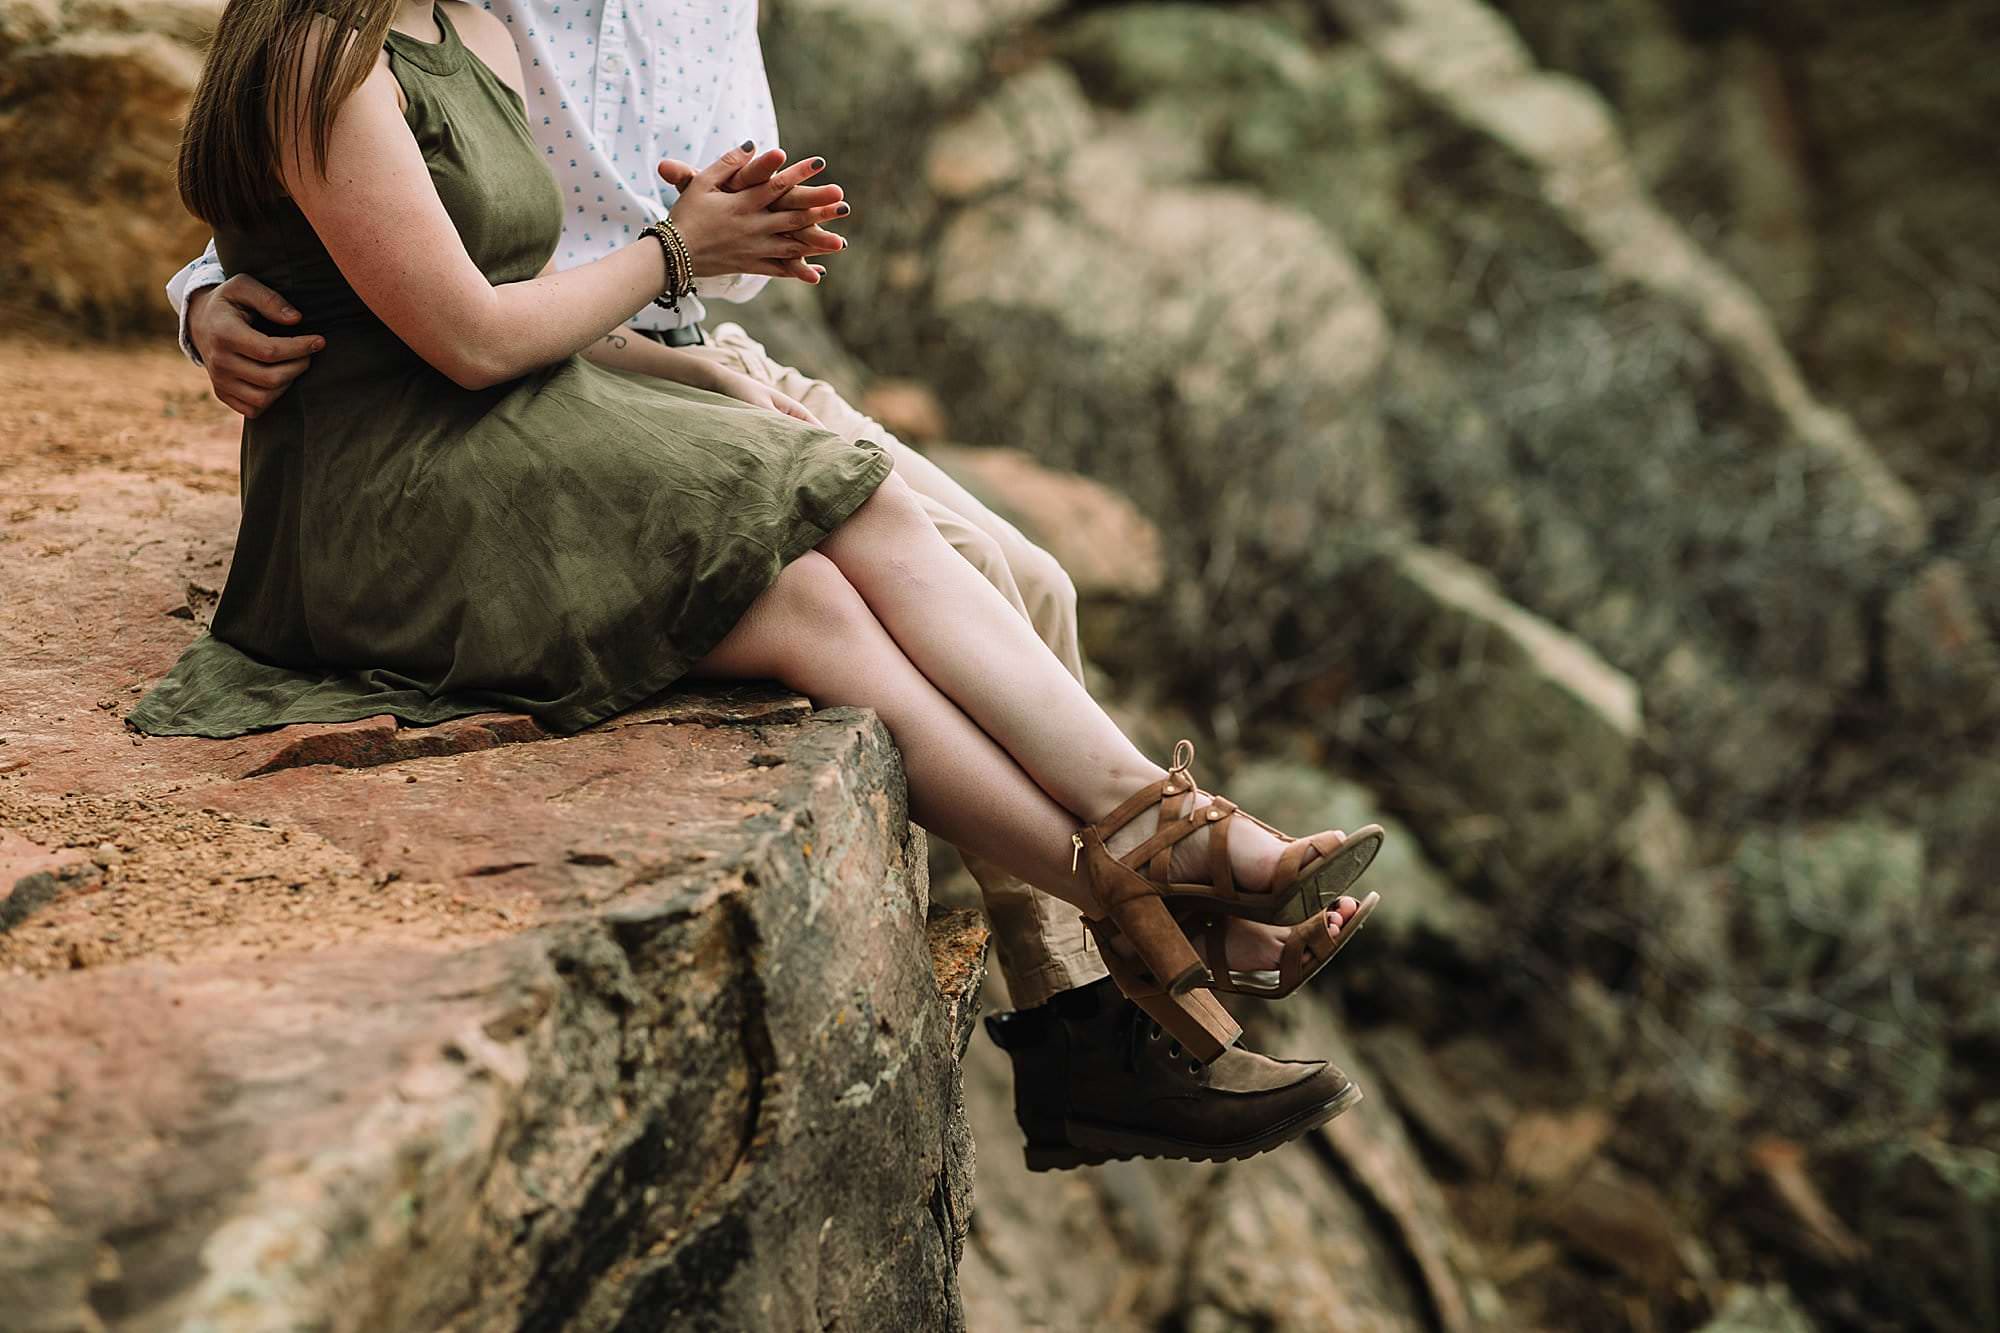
1093,1145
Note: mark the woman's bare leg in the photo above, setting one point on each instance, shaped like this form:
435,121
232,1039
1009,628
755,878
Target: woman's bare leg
970,644
812,631
974,648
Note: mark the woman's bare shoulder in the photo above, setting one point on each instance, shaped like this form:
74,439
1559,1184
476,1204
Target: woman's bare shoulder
487,37
323,41
287,102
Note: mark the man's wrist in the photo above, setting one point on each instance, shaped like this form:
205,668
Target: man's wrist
197,301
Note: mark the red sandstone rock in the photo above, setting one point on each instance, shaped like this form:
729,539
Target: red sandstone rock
367,1027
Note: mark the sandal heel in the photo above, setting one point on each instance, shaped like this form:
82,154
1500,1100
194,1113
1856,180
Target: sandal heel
1194,1018
1162,946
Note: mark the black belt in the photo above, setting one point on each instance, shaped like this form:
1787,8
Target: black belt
687,335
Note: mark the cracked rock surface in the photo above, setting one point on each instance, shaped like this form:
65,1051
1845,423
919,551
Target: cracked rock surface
463,1027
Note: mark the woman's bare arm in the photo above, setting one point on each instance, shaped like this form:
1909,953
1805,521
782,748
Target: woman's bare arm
625,348
381,220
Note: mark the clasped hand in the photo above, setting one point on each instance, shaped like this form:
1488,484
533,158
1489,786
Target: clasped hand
753,214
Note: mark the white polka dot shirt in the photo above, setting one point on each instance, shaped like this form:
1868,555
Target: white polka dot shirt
613,86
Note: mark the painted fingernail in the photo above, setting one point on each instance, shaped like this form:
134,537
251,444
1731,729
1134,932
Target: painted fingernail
748,144
842,210
818,162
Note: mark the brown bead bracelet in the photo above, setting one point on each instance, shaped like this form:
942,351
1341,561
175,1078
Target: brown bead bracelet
680,263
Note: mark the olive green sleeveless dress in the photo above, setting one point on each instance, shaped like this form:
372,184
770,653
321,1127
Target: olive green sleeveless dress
562,545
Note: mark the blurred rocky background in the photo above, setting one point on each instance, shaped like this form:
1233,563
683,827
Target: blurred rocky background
1566,434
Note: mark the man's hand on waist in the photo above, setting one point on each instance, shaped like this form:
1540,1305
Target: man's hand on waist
248,369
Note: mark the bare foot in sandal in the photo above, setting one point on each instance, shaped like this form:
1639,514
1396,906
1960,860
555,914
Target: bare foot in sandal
1253,849
1251,946
1198,845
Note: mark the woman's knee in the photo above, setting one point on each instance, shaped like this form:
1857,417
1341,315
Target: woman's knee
813,587
813,596
809,602
894,504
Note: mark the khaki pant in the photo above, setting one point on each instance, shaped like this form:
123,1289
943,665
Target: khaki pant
1042,946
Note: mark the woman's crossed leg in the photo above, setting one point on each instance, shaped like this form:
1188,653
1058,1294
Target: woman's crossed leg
1006,752
812,630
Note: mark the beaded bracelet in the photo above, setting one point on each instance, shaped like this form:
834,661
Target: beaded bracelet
670,288
680,263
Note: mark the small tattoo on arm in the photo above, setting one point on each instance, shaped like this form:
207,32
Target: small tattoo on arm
617,340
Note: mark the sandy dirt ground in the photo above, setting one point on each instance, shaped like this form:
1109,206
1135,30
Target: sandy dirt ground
117,501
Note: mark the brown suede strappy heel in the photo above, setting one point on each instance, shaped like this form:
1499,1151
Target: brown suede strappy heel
1161,973
1162,966
1309,946
1194,1018
1312,872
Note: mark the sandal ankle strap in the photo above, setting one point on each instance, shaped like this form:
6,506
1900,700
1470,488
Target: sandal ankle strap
1177,788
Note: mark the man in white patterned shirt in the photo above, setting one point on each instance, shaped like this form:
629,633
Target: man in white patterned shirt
616,87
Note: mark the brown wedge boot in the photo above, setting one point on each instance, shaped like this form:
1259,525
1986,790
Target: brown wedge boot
1145,947
1097,1080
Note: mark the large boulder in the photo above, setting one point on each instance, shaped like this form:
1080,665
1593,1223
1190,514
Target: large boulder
1518,747
364,1027
1606,418
563,1116
1819,151
91,101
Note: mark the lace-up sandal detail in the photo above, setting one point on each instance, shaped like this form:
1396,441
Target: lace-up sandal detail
1309,946
1312,872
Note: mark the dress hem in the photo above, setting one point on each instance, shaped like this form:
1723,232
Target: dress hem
563,720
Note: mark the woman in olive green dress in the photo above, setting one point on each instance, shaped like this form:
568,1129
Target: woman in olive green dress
465,505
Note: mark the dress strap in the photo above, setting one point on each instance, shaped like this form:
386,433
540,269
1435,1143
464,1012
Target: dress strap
444,56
